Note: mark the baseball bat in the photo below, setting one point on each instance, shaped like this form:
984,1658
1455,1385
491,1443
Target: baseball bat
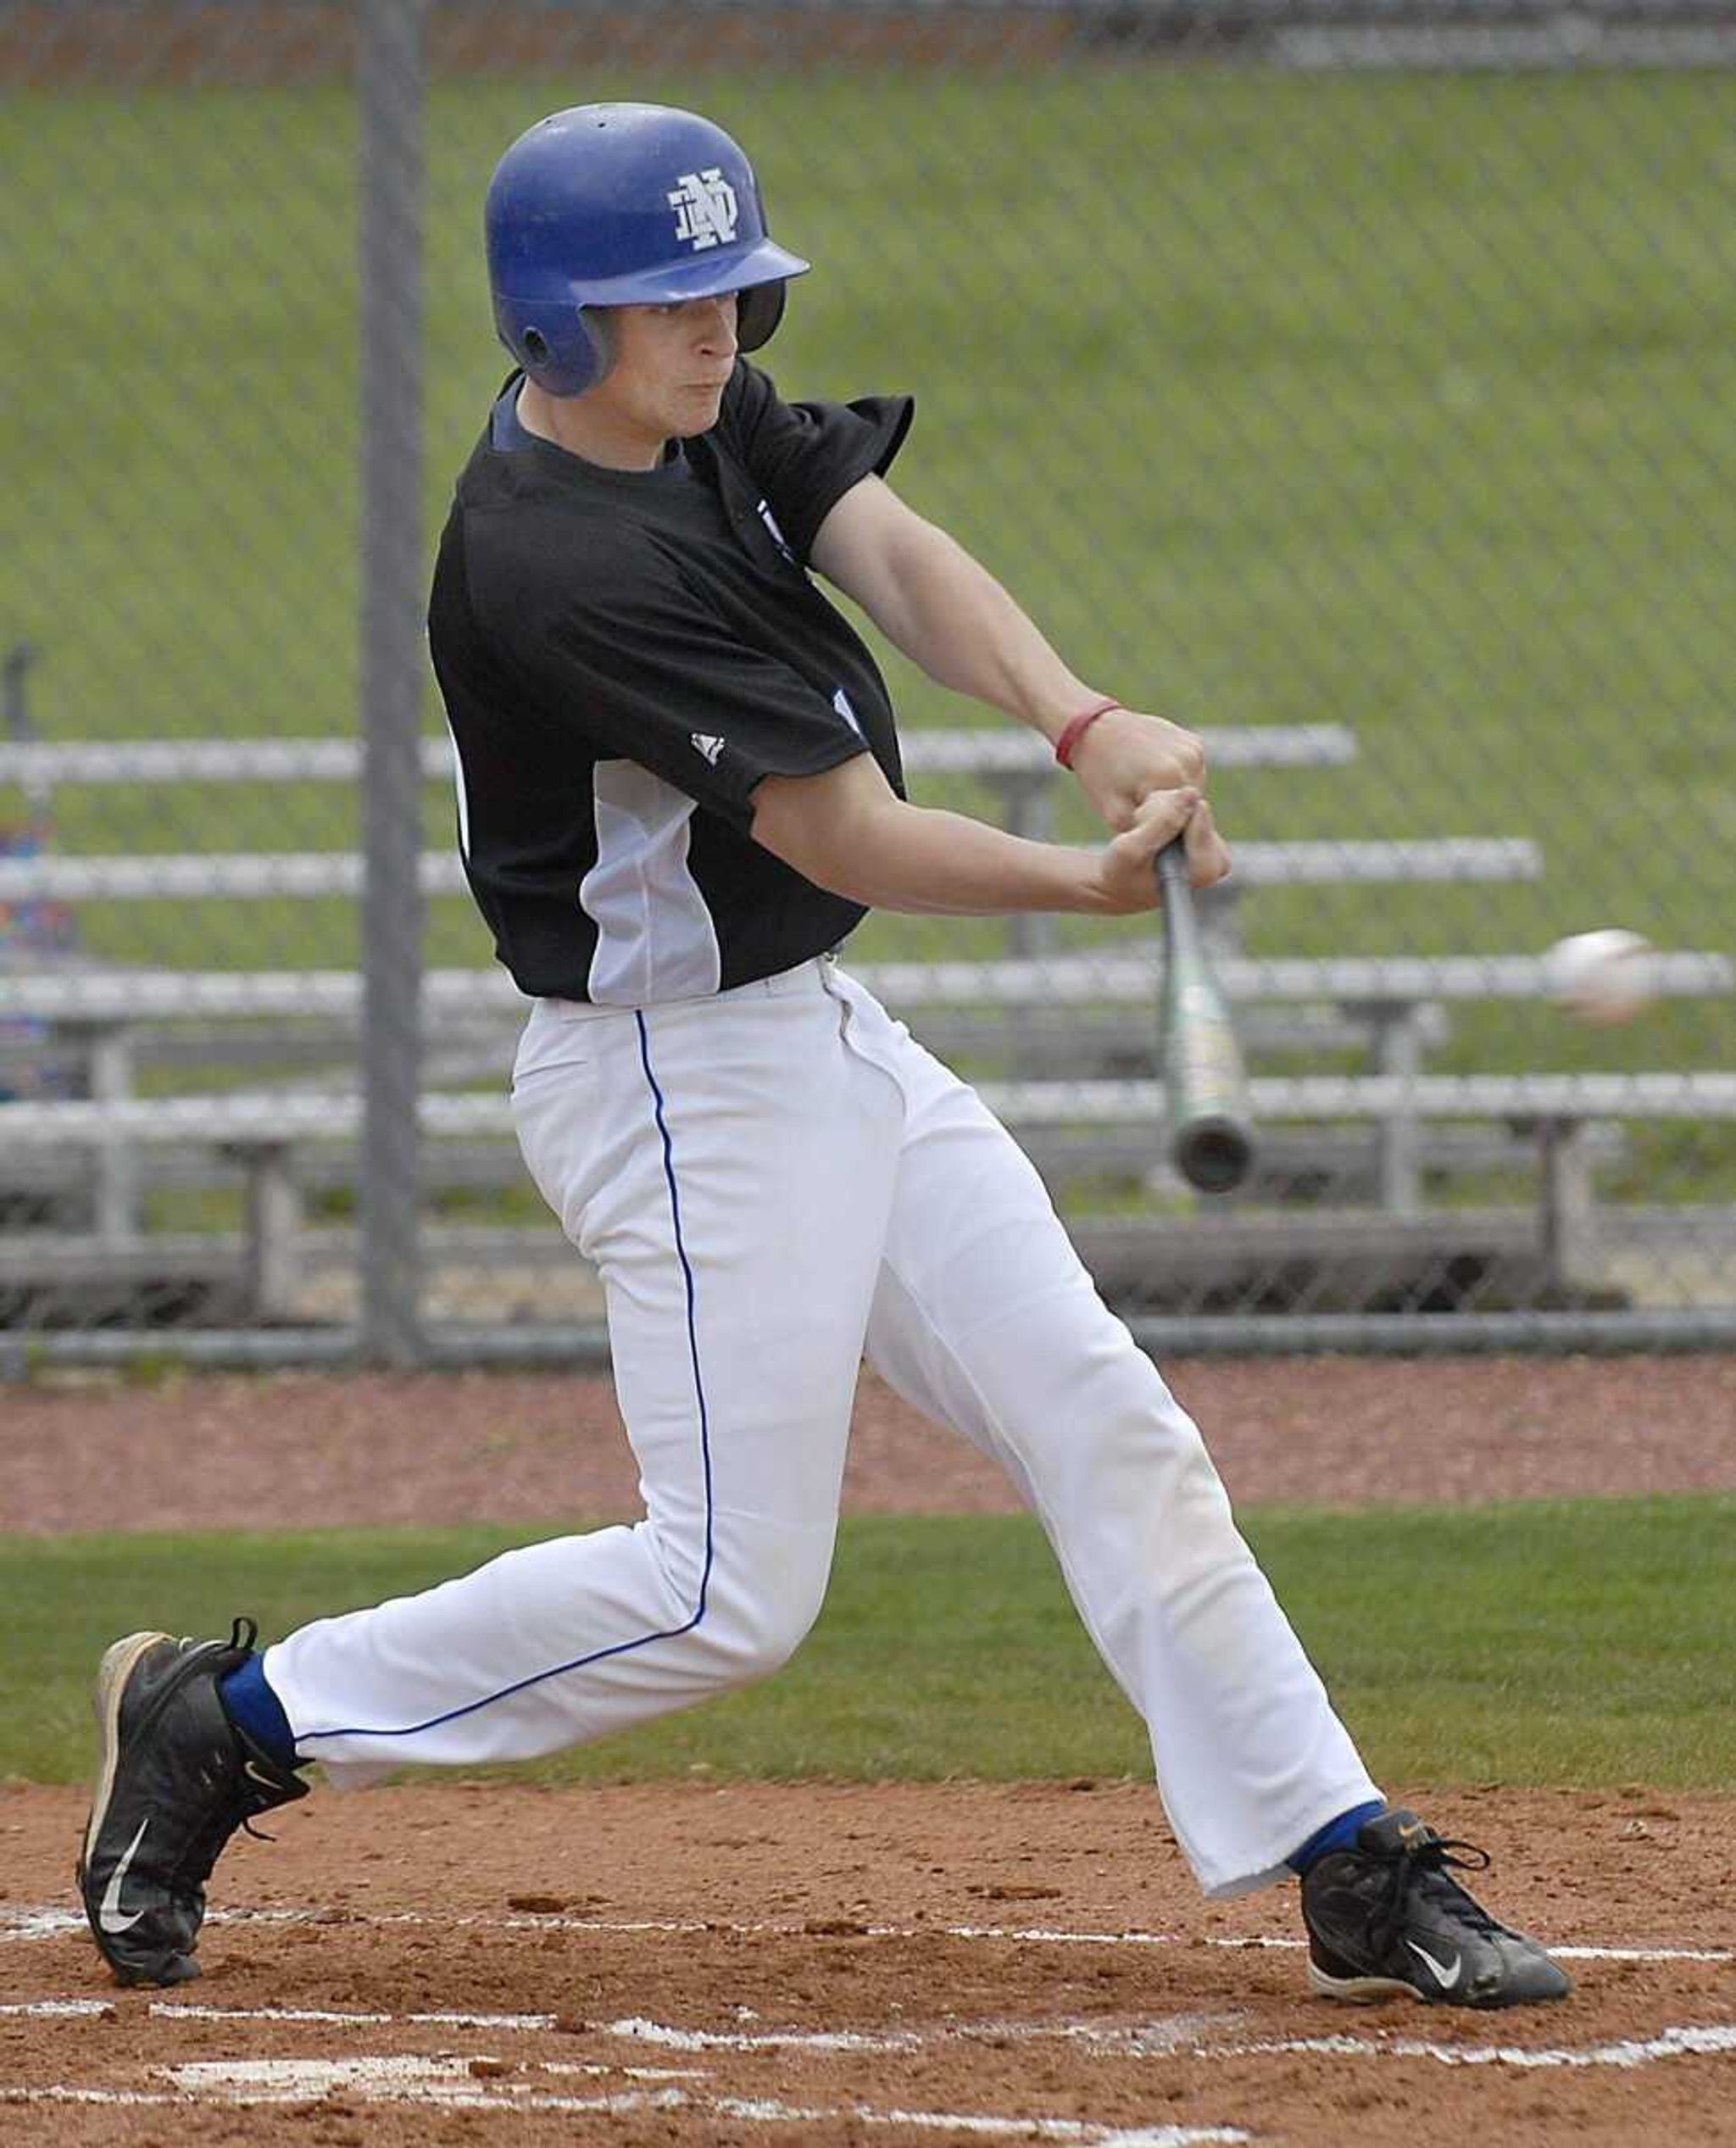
1206,1089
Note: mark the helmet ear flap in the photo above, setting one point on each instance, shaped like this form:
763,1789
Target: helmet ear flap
759,309
563,347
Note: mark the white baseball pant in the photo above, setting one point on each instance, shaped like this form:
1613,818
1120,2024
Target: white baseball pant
774,1181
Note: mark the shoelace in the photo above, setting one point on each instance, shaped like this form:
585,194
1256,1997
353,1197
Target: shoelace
243,1634
204,1848
244,1799
1424,1866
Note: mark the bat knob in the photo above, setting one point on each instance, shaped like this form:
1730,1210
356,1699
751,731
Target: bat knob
1213,1154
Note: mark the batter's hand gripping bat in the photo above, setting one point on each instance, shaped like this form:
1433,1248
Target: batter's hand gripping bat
1210,1133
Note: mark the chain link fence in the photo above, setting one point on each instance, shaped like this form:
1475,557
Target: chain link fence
1356,383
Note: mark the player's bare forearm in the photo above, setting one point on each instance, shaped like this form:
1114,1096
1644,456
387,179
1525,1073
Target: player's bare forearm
847,831
948,614
944,608
924,861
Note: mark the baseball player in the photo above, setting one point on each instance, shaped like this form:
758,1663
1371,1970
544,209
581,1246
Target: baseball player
679,791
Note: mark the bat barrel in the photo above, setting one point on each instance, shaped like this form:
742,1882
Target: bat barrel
1213,1154
1211,1133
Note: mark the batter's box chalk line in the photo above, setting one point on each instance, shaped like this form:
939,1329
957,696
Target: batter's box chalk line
1714,2040
1186,2032
451,2084
1196,2035
19,1922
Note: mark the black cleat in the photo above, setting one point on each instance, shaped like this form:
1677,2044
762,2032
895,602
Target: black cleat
1385,1917
175,1779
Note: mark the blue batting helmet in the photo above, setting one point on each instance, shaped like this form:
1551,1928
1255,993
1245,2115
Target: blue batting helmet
623,205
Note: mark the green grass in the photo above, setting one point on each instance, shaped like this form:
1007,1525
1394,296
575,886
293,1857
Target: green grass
1404,401
1407,401
1573,1643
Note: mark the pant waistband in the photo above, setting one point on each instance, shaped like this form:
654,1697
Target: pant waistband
805,976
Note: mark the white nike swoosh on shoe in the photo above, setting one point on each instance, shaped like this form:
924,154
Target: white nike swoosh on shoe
109,1915
1446,1977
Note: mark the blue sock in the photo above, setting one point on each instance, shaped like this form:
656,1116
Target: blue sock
251,1707
1337,1834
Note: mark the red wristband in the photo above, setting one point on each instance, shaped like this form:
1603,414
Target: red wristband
1067,744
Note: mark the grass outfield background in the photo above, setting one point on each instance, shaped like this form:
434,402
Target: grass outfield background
1565,1643
1405,401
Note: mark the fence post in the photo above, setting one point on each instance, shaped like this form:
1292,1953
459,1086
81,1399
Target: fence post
391,94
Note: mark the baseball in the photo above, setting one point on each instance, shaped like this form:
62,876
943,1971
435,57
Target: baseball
1602,978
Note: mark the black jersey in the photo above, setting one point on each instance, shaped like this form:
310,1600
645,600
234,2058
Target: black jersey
624,654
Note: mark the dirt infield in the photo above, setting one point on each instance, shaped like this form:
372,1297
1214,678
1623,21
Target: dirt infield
826,1965
742,1965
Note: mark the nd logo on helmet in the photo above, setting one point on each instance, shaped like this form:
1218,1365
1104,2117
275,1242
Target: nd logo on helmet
704,205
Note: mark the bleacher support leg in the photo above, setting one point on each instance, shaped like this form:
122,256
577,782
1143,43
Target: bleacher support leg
110,1062
1568,1220
274,1224
1399,1052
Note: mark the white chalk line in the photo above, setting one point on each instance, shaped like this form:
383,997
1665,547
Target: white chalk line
1175,2031
322,2016
47,1921
1185,2035
1644,1953
456,2082
450,2084
1714,2040
453,2082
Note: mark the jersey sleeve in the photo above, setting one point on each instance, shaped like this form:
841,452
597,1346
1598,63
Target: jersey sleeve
641,670
805,456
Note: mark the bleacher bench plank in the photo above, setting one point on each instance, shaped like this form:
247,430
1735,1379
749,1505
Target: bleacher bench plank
1118,1249
249,875
271,1117
1062,1154
1084,976
38,765
1654,1095
1079,976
